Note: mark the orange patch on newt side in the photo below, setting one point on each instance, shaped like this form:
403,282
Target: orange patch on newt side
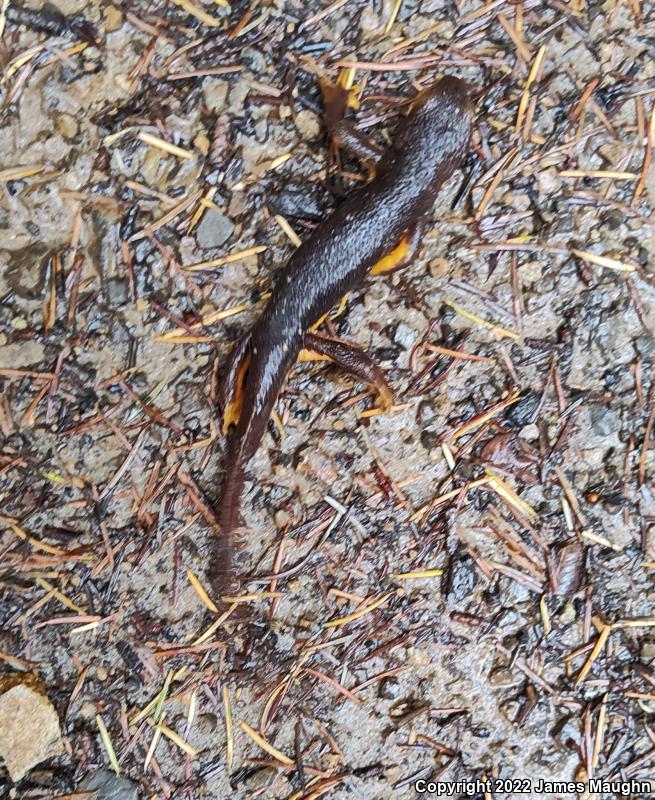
235,405
393,259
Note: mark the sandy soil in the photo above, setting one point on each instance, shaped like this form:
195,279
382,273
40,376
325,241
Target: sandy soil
517,466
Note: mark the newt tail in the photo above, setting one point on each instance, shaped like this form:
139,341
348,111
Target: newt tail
376,229
228,520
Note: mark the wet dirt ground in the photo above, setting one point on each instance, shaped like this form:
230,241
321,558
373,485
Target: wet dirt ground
456,589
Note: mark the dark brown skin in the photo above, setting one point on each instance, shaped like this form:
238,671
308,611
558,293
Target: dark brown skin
429,146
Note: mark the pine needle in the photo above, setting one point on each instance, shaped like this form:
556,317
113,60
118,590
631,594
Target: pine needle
229,729
106,742
600,643
497,329
392,16
293,236
162,144
360,613
47,548
201,591
19,173
161,699
178,740
603,261
219,262
273,751
198,13
417,574
525,97
599,173
509,495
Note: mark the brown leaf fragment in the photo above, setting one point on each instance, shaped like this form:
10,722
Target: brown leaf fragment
509,453
567,569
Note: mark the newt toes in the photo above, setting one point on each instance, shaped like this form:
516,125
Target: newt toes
375,230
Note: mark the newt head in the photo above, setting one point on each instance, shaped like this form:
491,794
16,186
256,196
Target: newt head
433,138
446,91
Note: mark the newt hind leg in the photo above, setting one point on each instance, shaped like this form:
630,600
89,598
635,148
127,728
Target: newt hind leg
348,357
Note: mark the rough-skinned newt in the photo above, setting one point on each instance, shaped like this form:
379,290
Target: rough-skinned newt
375,230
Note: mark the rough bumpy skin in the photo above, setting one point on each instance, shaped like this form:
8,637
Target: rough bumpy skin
427,149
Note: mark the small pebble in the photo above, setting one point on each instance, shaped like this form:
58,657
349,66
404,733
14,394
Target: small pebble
109,786
404,336
389,688
369,21
201,142
604,421
439,267
567,614
613,218
549,181
461,579
29,727
214,229
113,19
67,126
215,93
308,124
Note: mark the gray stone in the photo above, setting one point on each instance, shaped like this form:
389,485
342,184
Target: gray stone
117,292
389,688
404,336
109,786
604,421
254,59
523,412
300,201
21,354
143,249
461,579
214,230
645,347
613,218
